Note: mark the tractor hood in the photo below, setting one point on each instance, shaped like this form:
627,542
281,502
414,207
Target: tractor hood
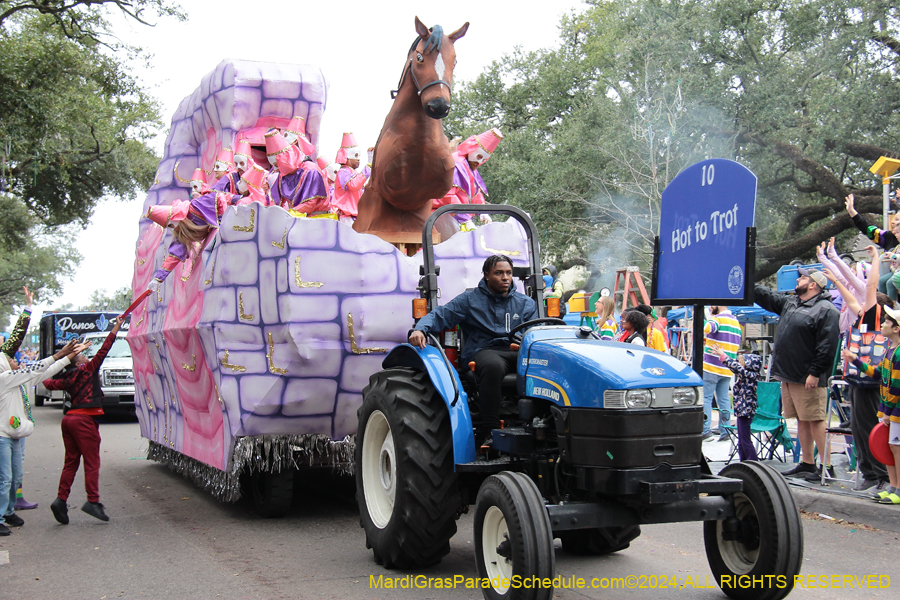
560,365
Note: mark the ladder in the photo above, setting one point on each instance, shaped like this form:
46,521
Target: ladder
628,283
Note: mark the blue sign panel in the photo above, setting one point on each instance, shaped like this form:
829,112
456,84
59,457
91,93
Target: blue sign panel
703,223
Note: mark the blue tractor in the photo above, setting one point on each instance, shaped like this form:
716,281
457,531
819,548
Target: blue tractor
600,438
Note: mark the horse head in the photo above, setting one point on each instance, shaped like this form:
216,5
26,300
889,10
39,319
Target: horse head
430,63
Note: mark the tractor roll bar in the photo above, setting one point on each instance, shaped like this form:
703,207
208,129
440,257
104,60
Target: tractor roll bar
428,283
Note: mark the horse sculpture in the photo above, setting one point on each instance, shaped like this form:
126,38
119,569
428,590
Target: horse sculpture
413,163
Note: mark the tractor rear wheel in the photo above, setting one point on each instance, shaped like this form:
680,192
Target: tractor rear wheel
405,483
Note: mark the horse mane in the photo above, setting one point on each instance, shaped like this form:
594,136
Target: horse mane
435,40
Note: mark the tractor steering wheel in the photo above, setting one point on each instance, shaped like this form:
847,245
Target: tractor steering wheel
516,338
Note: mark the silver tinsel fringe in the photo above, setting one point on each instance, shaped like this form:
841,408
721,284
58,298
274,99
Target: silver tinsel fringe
264,453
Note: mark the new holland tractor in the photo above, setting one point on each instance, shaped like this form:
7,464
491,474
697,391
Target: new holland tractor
599,438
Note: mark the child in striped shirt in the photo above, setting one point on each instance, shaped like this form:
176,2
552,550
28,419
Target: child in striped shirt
606,325
888,371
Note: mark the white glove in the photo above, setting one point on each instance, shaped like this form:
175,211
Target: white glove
154,285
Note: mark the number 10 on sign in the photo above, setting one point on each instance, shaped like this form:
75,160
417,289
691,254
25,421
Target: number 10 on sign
709,173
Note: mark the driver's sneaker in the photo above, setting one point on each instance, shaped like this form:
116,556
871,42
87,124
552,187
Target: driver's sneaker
802,471
4,530
95,509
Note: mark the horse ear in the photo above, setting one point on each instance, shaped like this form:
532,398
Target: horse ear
421,29
459,32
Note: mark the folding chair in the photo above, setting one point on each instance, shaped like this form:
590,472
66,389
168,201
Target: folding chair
768,428
837,407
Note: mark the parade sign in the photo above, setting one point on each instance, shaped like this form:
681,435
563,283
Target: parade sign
706,246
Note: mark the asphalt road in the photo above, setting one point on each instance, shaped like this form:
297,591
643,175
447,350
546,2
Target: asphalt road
168,539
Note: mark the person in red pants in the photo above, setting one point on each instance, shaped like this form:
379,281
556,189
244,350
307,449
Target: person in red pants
81,433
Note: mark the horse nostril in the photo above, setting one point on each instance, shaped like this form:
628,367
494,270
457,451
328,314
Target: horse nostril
437,108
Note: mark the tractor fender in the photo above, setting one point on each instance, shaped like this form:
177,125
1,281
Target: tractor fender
443,378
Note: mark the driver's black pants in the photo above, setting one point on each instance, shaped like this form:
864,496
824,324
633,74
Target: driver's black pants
491,365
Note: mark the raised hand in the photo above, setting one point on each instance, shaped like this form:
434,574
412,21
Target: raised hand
29,297
78,349
872,251
65,350
848,204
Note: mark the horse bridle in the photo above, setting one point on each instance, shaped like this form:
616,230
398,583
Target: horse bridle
419,89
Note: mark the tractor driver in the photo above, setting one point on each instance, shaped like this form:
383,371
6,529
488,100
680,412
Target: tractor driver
486,315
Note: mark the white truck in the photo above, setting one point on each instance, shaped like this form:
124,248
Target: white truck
116,374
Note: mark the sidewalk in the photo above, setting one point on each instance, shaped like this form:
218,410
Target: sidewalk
835,499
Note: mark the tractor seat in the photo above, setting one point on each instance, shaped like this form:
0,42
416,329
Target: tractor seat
509,380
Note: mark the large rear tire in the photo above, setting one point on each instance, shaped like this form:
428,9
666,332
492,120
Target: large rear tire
770,536
405,483
513,538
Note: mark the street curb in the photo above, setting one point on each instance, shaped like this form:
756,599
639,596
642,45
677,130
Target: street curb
844,506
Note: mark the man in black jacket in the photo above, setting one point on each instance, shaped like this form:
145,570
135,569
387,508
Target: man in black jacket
486,315
805,345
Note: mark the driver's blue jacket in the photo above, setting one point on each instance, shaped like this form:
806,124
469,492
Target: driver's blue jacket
485,318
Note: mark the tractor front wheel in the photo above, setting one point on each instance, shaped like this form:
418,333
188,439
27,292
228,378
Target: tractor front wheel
513,539
765,537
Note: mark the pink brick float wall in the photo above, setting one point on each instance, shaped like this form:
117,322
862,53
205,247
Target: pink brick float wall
237,98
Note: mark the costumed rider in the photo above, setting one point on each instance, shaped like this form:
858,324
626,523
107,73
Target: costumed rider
348,183
331,171
553,287
468,186
253,185
297,188
197,182
191,222
242,156
486,315
225,172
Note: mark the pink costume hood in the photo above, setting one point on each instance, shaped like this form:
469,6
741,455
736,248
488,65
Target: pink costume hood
255,178
225,160
487,142
287,157
348,143
165,214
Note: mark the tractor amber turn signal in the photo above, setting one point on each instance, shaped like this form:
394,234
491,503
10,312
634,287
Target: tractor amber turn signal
553,307
420,308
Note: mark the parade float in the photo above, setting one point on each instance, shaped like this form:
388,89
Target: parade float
250,360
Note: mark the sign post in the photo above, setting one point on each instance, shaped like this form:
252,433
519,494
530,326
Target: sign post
706,249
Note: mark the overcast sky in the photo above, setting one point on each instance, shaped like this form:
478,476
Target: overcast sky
360,46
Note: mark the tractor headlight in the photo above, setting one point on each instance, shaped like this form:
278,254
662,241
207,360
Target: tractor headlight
638,398
684,396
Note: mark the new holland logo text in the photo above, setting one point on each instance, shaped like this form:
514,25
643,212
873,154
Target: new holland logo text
547,393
